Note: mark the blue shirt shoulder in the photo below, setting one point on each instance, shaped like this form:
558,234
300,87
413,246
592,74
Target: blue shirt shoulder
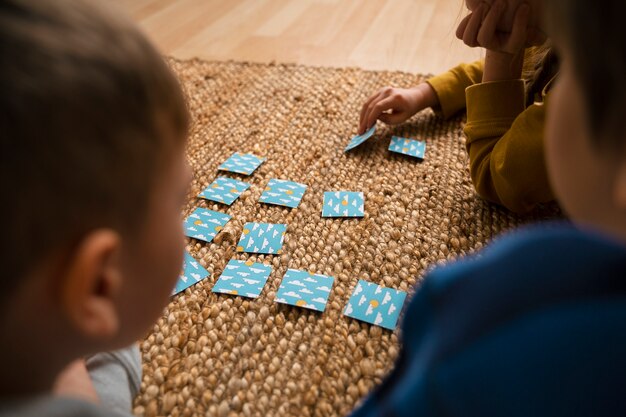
533,325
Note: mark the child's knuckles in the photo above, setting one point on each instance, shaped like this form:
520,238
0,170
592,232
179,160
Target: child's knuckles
378,109
468,38
398,99
471,42
386,91
486,42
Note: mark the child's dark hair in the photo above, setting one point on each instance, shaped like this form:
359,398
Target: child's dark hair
88,111
595,36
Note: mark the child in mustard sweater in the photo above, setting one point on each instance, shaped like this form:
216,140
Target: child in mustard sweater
504,97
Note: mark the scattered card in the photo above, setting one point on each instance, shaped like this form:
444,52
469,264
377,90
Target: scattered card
343,204
241,163
193,273
205,224
224,190
262,238
411,147
283,193
375,304
246,279
304,289
359,139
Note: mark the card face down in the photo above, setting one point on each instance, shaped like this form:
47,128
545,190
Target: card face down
359,139
374,304
262,238
244,278
304,289
204,224
193,273
343,204
283,193
241,163
224,190
410,147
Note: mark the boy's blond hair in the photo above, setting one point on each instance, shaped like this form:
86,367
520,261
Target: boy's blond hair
88,111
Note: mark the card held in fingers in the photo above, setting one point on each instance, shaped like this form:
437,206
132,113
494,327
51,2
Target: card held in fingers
359,139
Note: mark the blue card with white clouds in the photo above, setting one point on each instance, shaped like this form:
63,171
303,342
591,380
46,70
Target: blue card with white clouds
359,139
343,204
262,238
224,190
193,273
304,289
283,193
244,278
241,163
410,147
205,224
374,304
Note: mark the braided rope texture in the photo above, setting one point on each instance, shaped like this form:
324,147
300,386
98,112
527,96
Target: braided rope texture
220,355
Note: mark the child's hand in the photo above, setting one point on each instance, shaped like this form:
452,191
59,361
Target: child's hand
74,381
395,105
480,28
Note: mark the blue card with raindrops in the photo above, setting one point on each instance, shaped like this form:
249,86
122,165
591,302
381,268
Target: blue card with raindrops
244,278
374,304
241,163
283,193
205,224
304,289
359,139
224,190
193,273
343,204
410,147
262,238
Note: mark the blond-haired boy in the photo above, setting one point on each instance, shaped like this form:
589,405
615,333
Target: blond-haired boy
92,169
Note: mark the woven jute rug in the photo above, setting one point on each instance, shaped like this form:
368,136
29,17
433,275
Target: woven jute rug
223,355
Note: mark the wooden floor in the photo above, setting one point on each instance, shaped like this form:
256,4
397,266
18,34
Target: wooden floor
406,35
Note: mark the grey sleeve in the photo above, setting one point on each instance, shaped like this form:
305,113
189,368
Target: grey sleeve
50,406
116,377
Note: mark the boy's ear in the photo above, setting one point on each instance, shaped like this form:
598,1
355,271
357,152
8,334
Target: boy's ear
90,283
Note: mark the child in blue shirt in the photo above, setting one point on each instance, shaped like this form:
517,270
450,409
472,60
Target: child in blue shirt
536,325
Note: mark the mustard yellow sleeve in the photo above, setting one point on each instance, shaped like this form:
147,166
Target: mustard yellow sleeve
450,87
505,145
